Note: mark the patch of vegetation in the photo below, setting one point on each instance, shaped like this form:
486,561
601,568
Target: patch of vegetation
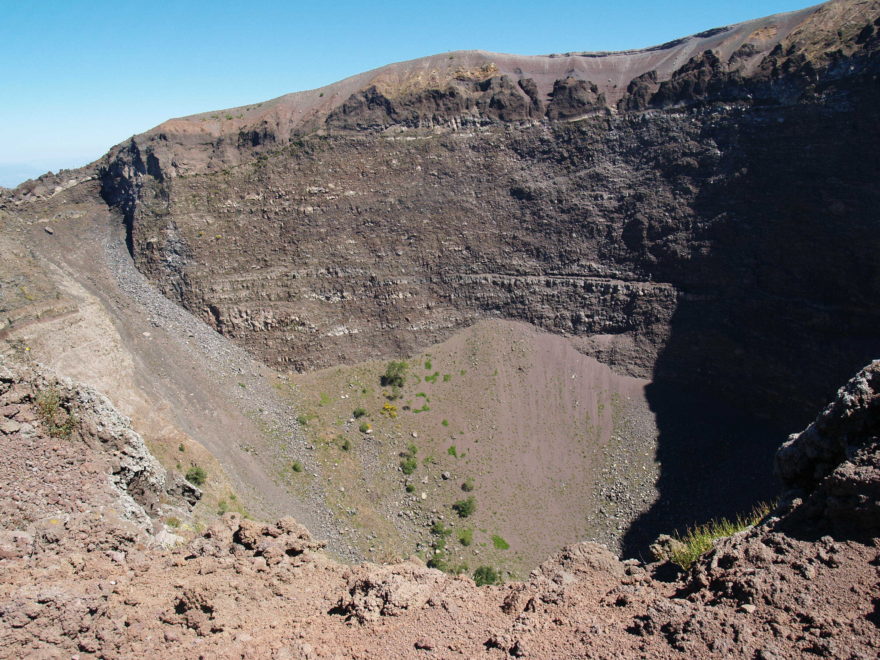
452,451
180,447
428,366
324,399
408,462
486,575
445,422
424,408
440,530
410,488
447,378
173,522
500,543
395,374
466,536
296,466
59,422
468,485
358,413
700,538
222,507
305,418
433,377
345,445
364,427
389,409
465,508
196,475
429,460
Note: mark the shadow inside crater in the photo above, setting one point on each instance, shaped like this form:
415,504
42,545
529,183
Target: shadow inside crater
777,307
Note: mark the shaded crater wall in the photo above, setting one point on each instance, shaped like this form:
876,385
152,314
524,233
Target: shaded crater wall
725,243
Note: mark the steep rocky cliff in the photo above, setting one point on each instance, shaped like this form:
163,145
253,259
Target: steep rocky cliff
702,212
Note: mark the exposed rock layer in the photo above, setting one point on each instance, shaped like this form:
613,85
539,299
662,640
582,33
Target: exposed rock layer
710,222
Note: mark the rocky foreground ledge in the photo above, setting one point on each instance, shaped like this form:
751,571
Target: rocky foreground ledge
84,572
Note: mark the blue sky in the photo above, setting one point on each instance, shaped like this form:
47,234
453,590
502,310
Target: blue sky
79,76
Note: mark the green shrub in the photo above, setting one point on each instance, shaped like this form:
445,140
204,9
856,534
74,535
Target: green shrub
346,445
59,422
447,378
452,451
439,529
485,575
468,485
180,447
465,508
395,374
410,488
196,475
222,507
364,427
700,538
428,366
296,466
358,413
445,422
408,465
499,543
466,536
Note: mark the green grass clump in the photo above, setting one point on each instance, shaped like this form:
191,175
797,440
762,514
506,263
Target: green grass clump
364,427
395,374
699,539
445,422
408,465
499,543
296,466
196,475
59,422
465,508
468,485
452,451
486,575
358,413
466,536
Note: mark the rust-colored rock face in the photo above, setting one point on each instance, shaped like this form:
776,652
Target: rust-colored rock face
708,205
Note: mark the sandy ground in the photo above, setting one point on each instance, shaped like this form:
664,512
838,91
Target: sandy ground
516,411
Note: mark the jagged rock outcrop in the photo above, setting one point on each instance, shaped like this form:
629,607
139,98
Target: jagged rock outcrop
65,440
833,464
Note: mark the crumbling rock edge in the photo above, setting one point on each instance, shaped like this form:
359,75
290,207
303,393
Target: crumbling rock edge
249,589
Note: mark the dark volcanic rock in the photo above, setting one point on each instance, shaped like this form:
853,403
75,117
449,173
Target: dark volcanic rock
835,463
